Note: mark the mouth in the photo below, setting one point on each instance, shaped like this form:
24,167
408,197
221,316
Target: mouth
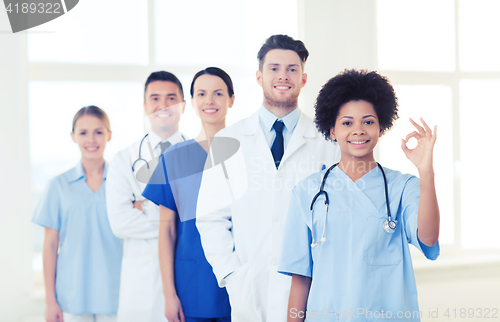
91,148
210,110
282,87
163,115
359,143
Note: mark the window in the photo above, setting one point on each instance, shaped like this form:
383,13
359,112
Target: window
442,60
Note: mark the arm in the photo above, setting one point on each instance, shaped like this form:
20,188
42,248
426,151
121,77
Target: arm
297,301
125,219
422,157
53,312
166,251
214,223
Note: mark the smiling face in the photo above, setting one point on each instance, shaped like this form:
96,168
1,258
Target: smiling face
356,130
164,105
281,78
91,135
211,99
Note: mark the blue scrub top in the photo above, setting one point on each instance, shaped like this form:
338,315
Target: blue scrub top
360,269
89,260
195,282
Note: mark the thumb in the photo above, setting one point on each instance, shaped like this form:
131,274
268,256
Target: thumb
404,147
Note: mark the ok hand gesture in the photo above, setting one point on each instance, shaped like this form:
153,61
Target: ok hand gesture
421,155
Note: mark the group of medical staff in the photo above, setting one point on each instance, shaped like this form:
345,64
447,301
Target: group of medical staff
275,218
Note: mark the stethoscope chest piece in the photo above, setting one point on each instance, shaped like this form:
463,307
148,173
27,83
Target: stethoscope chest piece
389,226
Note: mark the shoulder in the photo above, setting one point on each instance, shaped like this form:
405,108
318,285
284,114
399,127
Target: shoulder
310,185
399,179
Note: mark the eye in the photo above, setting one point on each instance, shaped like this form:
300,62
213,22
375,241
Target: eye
83,133
171,98
99,132
293,70
155,98
219,94
346,123
274,69
201,94
369,122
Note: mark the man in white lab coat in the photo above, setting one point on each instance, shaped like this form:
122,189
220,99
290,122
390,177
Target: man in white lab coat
242,206
133,218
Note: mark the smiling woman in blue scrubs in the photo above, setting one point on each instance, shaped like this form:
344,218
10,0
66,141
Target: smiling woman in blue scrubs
82,278
361,270
189,284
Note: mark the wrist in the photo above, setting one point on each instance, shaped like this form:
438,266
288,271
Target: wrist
426,174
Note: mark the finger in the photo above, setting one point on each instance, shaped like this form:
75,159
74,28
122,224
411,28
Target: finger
427,128
434,135
419,128
181,314
413,134
404,147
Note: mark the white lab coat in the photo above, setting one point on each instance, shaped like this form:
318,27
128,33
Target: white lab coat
141,296
242,241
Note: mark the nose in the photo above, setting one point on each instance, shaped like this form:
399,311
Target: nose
359,130
283,76
209,100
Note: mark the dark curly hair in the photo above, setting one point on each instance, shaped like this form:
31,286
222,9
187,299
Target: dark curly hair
356,85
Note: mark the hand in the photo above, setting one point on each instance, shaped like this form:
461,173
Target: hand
421,155
138,205
53,313
173,309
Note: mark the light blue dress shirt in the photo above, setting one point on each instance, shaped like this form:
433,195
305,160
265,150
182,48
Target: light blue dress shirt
360,270
267,120
89,260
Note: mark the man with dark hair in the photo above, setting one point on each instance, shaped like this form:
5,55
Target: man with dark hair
241,232
132,217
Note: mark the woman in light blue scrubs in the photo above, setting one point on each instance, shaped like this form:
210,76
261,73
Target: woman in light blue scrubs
81,256
189,284
348,266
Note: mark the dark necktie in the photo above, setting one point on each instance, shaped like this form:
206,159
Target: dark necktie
277,148
164,146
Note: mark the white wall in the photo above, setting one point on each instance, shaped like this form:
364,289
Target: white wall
339,34
15,230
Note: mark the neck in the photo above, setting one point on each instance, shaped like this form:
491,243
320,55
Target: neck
355,168
165,134
93,167
208,131
279,111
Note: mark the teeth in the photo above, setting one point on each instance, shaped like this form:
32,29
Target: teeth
91,149
282,87
164,115
210,110
358,142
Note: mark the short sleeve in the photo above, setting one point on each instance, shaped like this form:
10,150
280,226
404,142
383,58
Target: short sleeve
410,201
296,257
160,194
47,212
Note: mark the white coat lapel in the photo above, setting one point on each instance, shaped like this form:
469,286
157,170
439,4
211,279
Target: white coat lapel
304,129
253,129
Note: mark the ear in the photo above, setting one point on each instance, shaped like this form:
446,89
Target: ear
381,132
304,80
259,77
332,133
231,101
109,138
144,106
73,136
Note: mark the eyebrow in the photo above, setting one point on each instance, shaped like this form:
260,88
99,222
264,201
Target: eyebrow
350,117
169,94
276,64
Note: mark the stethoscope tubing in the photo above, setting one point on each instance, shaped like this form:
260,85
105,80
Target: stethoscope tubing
389,225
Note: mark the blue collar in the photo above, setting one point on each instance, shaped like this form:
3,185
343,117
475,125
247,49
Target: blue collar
78,173
290,120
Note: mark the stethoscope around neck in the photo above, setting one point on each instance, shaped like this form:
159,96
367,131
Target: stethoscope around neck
389,225
140,158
